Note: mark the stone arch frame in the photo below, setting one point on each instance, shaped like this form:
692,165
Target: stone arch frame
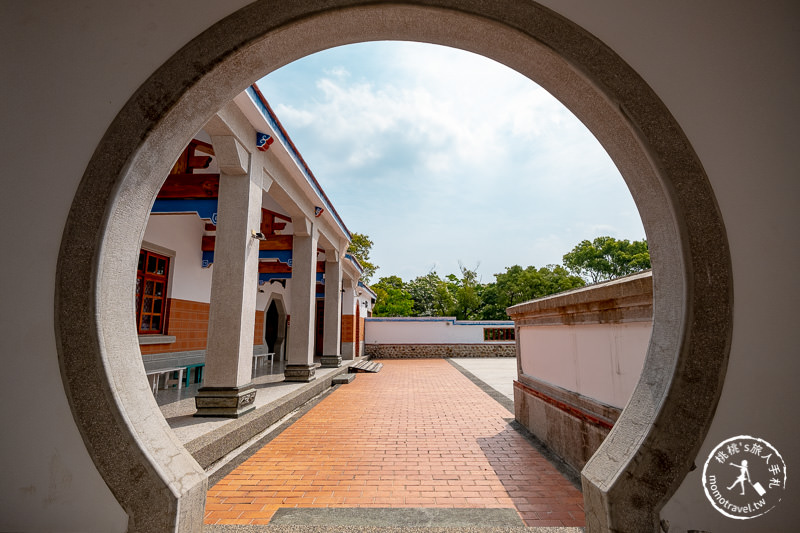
645,457
280,305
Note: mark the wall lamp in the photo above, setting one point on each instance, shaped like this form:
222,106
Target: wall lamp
257,235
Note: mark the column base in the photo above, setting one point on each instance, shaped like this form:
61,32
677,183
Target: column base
303,373
331,361
224,402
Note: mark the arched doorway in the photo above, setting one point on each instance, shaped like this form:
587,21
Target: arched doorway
275,327
652,446
271,327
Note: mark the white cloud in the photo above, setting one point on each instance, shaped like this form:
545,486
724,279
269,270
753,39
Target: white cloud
441,155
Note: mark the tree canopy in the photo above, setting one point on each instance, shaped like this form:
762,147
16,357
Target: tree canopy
517,285
392,298
607,258
360,247
466,298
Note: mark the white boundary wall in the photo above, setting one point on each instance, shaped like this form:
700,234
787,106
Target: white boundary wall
430,330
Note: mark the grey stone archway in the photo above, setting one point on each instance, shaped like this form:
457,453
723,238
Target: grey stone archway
651,448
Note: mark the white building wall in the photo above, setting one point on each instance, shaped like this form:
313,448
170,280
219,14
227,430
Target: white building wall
601,361
182,234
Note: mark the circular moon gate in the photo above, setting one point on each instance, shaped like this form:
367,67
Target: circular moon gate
652,446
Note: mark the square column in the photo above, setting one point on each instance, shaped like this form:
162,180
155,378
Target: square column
300,348
332,334
227,391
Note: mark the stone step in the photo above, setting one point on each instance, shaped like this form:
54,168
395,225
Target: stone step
343,379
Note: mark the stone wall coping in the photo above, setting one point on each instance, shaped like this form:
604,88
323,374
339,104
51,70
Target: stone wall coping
626,299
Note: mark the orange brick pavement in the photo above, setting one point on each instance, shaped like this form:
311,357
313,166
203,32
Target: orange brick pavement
416,434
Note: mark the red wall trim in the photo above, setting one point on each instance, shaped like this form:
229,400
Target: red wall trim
569,409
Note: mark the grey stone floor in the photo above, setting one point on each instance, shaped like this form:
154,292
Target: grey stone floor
497,372
177,405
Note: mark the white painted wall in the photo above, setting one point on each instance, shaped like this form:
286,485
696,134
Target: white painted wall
183,234
728,72
67,70
272,290
601,361
432,330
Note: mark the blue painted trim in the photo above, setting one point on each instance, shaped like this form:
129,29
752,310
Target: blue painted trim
208,259
263,278
363,286
355,262
276,126
205,208
283,256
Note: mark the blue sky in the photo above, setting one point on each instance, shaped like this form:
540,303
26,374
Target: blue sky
442,156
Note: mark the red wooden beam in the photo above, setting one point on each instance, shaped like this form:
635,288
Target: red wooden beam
276,242
273,267
190,186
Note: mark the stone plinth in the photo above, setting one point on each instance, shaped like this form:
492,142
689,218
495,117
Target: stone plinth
304,373
225,402
331,361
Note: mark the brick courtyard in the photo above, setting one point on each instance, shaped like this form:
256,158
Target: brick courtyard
418,434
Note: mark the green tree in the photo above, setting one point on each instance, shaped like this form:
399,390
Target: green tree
517,285
467,294
607,258
431,295
492,308
360,247
392,298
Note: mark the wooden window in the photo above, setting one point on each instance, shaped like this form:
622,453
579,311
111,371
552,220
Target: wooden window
498,334
151,292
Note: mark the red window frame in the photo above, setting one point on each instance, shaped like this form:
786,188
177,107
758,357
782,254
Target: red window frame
498,334
152,274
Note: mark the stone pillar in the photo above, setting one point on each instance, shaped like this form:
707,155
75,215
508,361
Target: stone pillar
332,334
227,374
348,320
300,348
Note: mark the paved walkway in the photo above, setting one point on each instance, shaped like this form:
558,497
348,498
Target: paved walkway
497,372
418,434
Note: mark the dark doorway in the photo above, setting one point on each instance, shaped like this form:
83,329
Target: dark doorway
271,326
319,328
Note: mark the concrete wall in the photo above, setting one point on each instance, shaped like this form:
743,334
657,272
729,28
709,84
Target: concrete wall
433,337
601,361
436,351
580,357
430,330
727,71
